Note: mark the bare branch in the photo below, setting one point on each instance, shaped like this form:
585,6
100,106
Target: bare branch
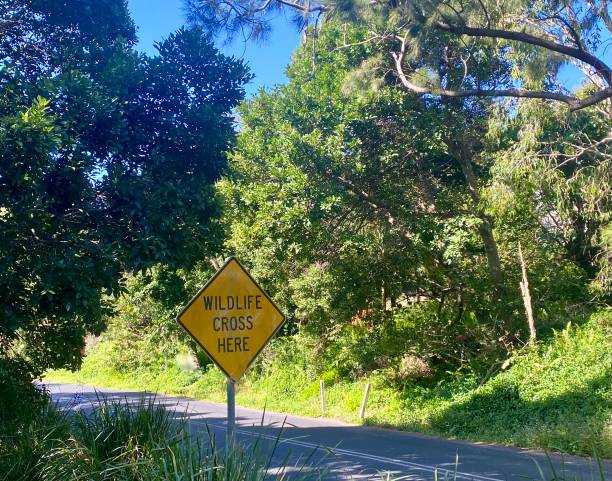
578,149
265,5
591,99
589,72
303,8
355,44
570,32
605,14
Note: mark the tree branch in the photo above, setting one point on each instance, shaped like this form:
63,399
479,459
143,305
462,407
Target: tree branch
376,205
603,11
523,37
578,53
303,8
574,103
263,7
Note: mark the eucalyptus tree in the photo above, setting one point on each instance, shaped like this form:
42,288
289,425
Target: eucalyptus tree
552,180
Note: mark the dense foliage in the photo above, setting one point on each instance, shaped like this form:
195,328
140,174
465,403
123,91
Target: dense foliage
107,165
455,49
417,198
388,228
357,204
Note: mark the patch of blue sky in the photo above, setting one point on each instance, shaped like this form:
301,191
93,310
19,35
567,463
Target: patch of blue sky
267,60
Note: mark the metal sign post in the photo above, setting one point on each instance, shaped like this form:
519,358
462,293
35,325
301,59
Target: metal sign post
231,410
231,403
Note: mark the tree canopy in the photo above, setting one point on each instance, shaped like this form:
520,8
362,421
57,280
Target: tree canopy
417,197
357,203
454,48
107,164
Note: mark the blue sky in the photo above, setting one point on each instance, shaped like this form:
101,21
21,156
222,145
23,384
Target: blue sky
156,19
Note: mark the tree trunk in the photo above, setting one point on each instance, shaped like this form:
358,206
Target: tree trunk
581,249
485,228
493,263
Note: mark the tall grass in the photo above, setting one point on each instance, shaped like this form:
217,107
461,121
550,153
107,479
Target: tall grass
562,473
22,449
122,441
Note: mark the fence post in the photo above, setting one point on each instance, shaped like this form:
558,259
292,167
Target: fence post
323,404
365,401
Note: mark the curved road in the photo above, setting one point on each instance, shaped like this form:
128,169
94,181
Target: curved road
347,451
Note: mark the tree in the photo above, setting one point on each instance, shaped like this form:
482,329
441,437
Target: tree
463,53
107,165
346,199
459,49
552,177
459,145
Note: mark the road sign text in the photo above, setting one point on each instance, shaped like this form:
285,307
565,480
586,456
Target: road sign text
231,318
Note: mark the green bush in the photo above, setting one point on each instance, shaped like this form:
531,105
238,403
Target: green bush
422,341
556,395
19,397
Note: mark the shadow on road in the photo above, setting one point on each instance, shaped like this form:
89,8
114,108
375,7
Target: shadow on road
352,452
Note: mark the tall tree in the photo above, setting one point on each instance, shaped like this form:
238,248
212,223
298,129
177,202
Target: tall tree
459,51
107,162
355,193
552,176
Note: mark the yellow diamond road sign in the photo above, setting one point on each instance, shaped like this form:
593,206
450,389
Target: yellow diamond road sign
231,318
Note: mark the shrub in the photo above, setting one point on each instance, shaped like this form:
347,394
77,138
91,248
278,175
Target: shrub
418,342
556,395
19,398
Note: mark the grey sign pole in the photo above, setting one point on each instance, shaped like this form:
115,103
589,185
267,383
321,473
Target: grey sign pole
231,403
231,410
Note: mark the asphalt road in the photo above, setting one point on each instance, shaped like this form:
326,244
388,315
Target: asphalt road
347,451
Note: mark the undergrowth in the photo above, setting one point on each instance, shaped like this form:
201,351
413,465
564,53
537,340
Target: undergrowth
554,395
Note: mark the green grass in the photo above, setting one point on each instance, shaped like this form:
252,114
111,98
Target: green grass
556,395
118,441
22,450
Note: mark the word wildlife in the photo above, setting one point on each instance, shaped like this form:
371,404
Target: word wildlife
233,322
